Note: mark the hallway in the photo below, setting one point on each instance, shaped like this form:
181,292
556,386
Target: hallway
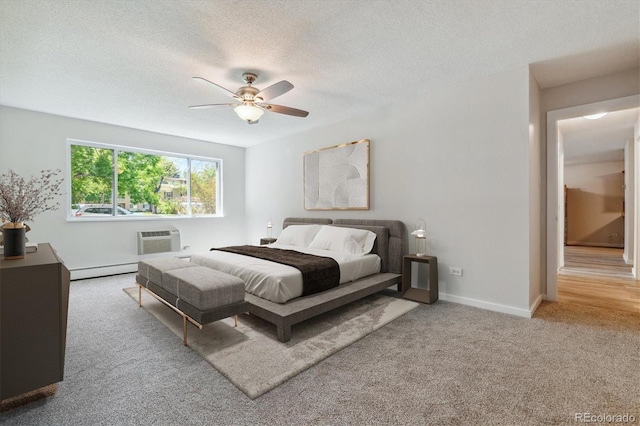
596,276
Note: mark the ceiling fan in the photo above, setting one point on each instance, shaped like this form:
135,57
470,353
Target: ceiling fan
251,103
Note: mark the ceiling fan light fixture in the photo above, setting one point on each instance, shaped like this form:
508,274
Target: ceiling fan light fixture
251,106
248,112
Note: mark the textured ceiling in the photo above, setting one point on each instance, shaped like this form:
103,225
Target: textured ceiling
594,141
130,63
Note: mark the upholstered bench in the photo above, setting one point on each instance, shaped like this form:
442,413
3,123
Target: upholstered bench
200,295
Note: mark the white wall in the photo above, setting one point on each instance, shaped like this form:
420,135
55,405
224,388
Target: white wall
536,242
629,196
618,85
595,197
636,197
458,157
560,199
32,141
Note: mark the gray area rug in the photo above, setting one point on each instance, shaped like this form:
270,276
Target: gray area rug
250,355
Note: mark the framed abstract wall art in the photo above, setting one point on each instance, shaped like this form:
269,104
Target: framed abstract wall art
337,177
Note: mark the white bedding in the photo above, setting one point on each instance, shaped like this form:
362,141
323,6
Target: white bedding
279,283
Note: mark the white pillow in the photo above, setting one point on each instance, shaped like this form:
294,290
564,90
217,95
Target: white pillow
298,235
347,240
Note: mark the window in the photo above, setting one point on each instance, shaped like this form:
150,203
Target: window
141,184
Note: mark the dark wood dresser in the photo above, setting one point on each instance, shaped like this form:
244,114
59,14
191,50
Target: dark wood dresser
34,299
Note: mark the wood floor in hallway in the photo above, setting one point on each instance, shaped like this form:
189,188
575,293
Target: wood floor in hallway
596,276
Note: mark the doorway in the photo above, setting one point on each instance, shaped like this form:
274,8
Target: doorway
597,237
555,188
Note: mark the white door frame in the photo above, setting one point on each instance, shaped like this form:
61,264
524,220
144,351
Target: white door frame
555,182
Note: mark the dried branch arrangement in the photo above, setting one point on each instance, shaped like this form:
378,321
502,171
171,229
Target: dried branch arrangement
21,200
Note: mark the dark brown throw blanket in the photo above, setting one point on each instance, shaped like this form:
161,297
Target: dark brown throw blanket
318,273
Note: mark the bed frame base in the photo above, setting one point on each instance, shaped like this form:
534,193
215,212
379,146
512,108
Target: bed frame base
284,315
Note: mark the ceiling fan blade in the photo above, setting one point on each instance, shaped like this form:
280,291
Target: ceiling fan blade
225,91
208,106
285,110
275,90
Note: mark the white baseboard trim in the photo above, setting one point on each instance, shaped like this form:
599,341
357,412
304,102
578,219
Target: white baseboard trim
103,271
106,270
594,244
535,304
489,306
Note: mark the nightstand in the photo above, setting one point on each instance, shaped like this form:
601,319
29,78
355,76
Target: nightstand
421,293
267,240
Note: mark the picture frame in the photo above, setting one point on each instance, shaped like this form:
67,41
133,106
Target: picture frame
337,177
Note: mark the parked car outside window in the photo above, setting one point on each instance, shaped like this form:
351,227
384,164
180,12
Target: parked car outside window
100,210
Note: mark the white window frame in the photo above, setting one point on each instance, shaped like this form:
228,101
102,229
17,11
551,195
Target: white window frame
116,148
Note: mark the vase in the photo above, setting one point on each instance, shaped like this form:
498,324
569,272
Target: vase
14,240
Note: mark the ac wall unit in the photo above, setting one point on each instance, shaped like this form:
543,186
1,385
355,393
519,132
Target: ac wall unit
158,241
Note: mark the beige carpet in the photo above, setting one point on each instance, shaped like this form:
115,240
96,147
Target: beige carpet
252,358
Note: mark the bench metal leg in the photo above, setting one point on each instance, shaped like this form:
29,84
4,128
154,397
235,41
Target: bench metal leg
184,328
185,318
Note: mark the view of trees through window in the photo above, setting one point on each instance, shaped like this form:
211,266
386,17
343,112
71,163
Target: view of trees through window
146,184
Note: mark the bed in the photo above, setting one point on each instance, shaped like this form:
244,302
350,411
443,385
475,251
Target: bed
275,292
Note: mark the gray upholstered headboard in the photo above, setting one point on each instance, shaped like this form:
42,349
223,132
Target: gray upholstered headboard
391,237
305,221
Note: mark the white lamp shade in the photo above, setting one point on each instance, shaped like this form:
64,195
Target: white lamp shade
421,238
248,112
419,233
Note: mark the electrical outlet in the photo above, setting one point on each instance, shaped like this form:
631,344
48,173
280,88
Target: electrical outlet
455,271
